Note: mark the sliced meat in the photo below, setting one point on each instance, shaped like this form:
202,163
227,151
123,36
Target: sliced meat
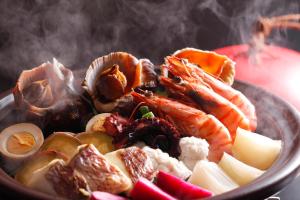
98,172
67,182
137,163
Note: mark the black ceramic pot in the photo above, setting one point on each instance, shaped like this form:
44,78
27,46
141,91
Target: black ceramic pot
276,119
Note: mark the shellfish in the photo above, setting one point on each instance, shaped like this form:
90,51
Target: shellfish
110,79
215,64
49,97
41,89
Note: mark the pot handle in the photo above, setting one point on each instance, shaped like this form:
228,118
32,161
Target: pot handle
264,26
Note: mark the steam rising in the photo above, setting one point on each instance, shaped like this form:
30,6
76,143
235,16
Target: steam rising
78,31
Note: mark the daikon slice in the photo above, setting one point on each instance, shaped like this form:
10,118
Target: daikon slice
240,172
255,150
210,176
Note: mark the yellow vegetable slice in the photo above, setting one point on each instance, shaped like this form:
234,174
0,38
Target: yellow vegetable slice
62,142
101,141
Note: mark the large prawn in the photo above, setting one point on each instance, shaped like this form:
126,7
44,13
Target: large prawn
210,102
197,78
192,122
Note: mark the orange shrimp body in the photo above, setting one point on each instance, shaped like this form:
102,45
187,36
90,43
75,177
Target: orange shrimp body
195,75
192,122
210,102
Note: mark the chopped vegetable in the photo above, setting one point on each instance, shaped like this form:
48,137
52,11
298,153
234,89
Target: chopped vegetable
210,176
146,190
144,109
105,196
38,161
239,171
148,115
102,141
179,188
255,150
62,142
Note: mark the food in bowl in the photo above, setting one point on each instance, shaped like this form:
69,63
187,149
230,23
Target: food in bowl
150,129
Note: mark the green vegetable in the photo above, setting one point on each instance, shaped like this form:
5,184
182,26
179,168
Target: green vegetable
144,110
148,115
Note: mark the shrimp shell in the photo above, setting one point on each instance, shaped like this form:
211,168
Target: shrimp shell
196,76
191,122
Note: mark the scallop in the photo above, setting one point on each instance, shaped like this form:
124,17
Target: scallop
18,143
110,79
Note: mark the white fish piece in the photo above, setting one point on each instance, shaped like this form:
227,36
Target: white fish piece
162,161
192,150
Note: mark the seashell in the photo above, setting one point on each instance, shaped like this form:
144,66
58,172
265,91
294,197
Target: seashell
110,79
48,96
42,88
215,64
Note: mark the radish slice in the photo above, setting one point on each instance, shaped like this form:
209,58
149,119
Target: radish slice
179,188
105,196
144,189
254,149
239,171
211,177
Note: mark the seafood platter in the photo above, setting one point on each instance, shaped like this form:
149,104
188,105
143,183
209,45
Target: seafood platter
124,128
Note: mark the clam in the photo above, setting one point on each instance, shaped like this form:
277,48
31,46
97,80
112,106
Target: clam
110,79
215,64
18,143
